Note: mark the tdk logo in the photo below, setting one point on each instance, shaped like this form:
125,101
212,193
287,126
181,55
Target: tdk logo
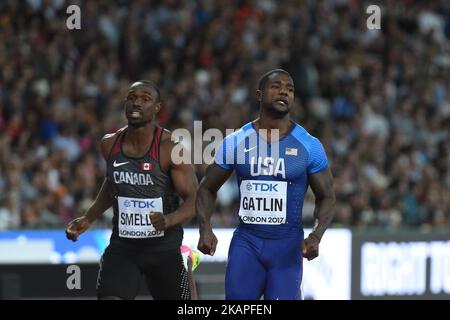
261,186
139,204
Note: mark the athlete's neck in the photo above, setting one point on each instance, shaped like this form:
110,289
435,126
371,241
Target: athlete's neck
139,138
283,124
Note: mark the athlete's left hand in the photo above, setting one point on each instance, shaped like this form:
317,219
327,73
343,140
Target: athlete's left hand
310,248
160,221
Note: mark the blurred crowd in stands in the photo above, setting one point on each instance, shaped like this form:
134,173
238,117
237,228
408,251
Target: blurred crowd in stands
379,100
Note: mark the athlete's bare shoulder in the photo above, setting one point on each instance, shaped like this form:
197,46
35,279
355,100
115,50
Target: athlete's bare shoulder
167,145
166,135
108,140
166,140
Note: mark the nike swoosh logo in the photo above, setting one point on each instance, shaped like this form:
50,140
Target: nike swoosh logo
249,149
118,164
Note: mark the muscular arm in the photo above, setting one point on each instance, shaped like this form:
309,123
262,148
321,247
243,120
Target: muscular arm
322,186
185,183
205,203
103,201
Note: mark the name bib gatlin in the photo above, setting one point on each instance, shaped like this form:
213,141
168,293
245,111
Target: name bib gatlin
263,202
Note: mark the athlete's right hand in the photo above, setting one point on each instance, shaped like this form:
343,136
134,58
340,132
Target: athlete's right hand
77,227
207,242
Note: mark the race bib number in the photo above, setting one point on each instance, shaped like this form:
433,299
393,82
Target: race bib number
263,202
134,217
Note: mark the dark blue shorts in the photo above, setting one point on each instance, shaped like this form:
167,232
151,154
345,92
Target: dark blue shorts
263,267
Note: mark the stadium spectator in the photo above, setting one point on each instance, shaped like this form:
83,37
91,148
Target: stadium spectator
379,100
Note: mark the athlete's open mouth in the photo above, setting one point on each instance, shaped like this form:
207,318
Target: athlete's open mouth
135,113
282,101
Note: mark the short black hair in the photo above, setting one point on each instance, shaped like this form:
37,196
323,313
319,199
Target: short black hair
262,81
150,84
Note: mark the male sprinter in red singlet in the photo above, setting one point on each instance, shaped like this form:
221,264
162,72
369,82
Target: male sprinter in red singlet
142,185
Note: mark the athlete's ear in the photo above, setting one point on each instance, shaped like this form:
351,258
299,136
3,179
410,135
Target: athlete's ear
158,107
259,95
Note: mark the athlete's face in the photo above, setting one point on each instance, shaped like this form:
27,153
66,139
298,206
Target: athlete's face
278,93
141,105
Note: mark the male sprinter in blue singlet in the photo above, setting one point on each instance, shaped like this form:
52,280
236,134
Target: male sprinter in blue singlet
275,160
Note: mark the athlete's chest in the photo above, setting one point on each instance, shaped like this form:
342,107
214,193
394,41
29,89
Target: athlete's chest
137,172
283,161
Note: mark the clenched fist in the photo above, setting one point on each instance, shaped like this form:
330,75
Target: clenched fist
77,227
207,242
310,248
160,221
